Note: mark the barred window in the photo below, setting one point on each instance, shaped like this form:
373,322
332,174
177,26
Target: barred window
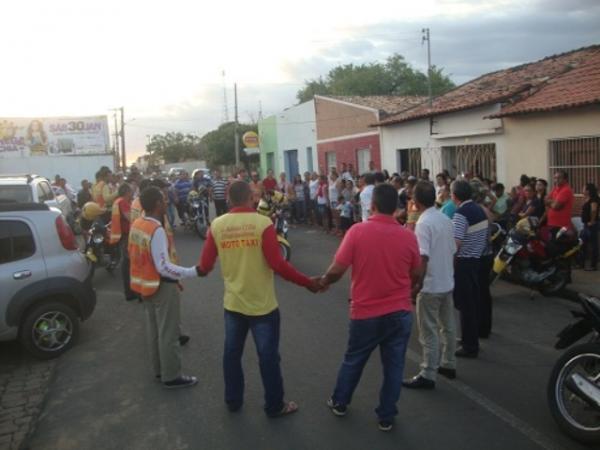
579,157
409,159
477,159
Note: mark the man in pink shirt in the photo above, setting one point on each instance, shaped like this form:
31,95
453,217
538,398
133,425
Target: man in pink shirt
385,264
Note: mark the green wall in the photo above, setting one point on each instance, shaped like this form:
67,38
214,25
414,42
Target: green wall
267,133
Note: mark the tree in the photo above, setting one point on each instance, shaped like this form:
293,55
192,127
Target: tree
174,147
393,77
218,147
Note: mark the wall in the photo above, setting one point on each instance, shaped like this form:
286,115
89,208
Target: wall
346,151
335,118
458,128
72,168
527,137
267,135
296,130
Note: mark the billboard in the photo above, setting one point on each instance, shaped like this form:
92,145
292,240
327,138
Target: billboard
60,136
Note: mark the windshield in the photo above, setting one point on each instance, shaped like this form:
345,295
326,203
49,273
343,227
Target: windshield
20,194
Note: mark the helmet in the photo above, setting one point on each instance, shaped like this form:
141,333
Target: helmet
263,207
92,210
192,194
277,197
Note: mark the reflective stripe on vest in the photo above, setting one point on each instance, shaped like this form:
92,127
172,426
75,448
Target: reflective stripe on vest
115,222
145,279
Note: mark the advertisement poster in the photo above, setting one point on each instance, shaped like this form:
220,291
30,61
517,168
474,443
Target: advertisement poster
61,136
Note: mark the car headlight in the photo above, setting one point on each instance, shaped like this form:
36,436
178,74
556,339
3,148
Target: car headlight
98,239
512,247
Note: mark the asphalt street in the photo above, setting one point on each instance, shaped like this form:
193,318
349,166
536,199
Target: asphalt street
104,396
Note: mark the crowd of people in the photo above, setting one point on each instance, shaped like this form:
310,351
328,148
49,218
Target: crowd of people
408,240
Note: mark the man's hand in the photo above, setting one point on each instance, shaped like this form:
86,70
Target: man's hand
200,272
315,285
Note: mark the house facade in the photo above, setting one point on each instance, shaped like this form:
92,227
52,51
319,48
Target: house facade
344,131
528,119
288,141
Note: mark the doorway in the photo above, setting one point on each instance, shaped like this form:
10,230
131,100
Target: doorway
291,163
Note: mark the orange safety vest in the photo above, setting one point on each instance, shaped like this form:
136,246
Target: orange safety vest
145,279
137,211
115,222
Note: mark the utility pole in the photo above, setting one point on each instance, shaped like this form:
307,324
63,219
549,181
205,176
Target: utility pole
426,37
225,112
235,128
117,155
123,154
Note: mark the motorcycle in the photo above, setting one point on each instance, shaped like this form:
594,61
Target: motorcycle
528,260
97,247
275,207
197,218
573,390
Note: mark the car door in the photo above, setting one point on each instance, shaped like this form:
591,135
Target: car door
21,262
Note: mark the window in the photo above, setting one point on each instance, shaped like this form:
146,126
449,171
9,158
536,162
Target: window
331,161
309,159
478,159
363,158
409,160
580,157
49,195
20,193
16,241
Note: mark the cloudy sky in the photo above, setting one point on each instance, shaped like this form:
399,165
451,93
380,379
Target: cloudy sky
163,60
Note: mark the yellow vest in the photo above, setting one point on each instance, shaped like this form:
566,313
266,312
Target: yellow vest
249,284
137,212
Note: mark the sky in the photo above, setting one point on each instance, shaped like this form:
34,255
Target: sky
164,61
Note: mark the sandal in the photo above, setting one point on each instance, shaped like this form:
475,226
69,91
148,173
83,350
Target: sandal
288,408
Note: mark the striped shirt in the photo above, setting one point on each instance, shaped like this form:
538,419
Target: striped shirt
219,188
471,228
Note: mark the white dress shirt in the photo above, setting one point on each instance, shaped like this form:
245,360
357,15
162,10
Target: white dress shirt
366,197
160,256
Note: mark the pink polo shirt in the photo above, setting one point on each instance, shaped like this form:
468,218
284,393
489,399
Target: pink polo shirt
382,254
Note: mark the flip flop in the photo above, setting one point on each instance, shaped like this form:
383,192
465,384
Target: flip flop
288,408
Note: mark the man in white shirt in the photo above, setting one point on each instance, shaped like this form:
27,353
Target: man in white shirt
366,196
346,174
435,306
155,278
313,187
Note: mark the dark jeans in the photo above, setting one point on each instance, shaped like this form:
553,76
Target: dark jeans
265,331
182,208
589,236
467,298
299,211
485,309
221,207
125,275
391,333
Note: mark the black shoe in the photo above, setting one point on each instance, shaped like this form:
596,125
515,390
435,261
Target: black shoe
418,382
234,407
386,425
591,269
448,373
336,408
183,339
132,297
462,353
182,382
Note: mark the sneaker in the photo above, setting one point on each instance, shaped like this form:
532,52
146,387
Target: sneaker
386,425
181,382
336,408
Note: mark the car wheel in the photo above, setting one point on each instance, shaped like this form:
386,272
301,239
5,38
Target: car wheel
49,330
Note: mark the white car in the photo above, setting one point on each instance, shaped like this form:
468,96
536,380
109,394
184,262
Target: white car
33,189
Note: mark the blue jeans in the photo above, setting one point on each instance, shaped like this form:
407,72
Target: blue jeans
265,331
391,333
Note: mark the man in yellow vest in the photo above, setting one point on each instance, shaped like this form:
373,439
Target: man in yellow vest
119,233
154,277
246,244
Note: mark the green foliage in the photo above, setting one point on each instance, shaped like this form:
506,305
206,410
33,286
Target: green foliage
394,77
174,147
218,146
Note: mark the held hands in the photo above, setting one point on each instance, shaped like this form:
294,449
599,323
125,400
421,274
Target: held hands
317,285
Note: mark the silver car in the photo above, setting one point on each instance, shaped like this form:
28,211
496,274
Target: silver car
45,280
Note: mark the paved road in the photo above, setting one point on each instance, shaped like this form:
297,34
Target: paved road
103,395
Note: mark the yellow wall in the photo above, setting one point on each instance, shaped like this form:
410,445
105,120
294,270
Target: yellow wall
527,138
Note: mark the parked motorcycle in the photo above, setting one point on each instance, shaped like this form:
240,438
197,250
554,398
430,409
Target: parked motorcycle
197,217
98,250
275,207
574,386
525,258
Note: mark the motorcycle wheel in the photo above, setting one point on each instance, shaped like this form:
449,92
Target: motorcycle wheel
574,415
286,251
554,283
201,229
